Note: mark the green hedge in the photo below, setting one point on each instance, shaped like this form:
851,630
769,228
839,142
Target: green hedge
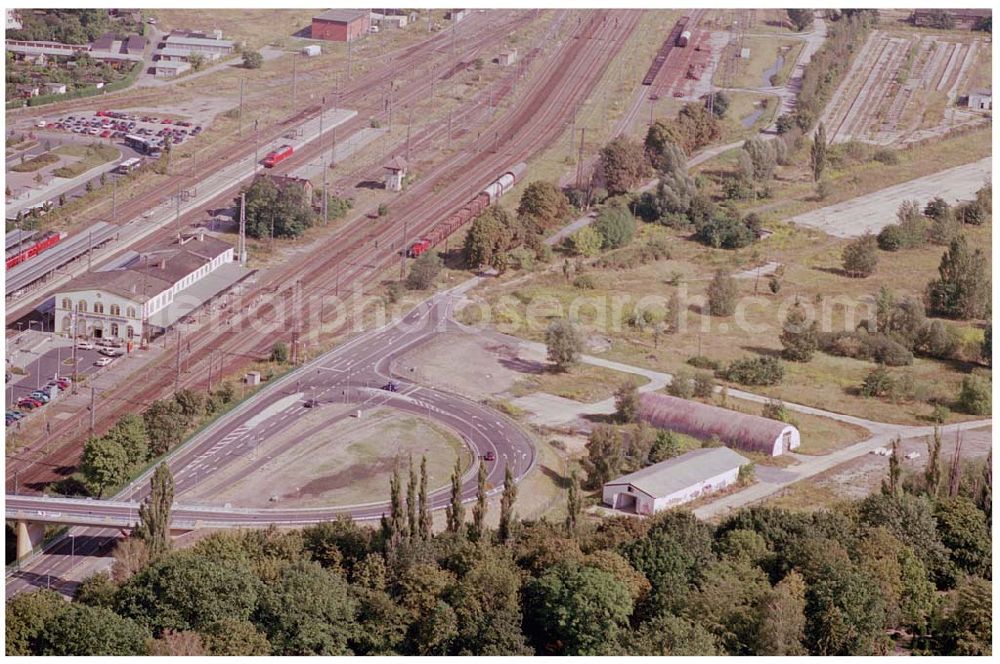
15,103
90,91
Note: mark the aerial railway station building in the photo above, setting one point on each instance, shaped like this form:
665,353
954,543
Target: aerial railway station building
142,295
341,24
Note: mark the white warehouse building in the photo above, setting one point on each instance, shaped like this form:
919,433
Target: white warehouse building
675,481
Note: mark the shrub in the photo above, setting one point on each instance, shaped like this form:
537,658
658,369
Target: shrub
585,242
886,156
702,362
424,271
775,409
682,384
616,226
971,213
704,384
252,59
891,238
722,294
725,232
585,282
940,414
878,383
975,397
761,370
861,256
279,352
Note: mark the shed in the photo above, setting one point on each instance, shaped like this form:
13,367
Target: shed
396,172
456,15
341,24
675,481
312,50
751,433
508,57
55,88
981,100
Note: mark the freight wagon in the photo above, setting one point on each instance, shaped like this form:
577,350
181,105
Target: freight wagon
472,209
683,40
277,156
19,254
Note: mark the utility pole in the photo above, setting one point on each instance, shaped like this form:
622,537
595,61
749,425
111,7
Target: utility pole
326,218
409,122
114,200
74,319
256,147
93,409
333,147
349,57
177,374
449,127
242,81
295,81
579,162
243,228
177,215
402,253
90,249
322,106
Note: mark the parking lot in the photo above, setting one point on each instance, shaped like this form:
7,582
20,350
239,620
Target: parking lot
116,125
52,364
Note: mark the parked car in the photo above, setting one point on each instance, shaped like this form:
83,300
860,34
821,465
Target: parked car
85,345
311,403
391,386
111,351
103,361
28,403
490,456
16,414
41,396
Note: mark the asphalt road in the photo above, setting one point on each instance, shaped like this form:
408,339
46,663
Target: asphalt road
352,373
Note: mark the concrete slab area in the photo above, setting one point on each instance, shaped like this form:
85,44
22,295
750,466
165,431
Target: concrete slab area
877,210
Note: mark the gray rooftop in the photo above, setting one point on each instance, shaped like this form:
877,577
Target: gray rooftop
197,294
341,15
673,475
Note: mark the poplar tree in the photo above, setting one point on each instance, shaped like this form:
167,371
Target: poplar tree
573,503
932,473
817,155
892,485
425,522
506,529
456,511
411,503
479,510
397,523
154,513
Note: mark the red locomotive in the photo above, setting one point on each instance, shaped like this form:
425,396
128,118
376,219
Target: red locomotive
277,156
18,255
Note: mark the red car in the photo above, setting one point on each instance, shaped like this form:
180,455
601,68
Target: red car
106,133
29,403
490,456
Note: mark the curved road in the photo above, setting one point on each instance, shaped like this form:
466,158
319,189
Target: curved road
352,373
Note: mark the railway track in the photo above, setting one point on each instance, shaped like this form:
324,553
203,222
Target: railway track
350,259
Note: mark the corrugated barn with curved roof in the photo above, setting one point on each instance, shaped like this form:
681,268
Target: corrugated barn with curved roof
738,430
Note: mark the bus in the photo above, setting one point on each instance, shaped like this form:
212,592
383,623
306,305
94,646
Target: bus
145,146
128,166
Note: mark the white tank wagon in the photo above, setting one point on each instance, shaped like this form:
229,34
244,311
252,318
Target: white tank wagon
505,182
683,40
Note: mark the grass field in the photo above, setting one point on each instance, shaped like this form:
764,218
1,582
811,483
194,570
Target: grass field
91,155
819,435
583,382
764,52
36,163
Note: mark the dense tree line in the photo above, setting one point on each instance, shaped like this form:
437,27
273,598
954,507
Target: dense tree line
911,564
69,26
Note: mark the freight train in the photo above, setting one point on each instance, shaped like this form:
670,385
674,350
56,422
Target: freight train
22,252
277,156
678,37
472,209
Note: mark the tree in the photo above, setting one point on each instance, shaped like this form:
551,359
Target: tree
800,18
663,153
893,484
425,523
665,446
272,211
986,349
252,59
627,402
781,628
604,454
861,256
762,159
573,503
412,524
964,531
130,433
507,516
845,611
192,405
308,610
27,615
670,635
488,609
90,630
235,638
585,242
177,644
164,426
492,234
623,165
976,395
968,629
719,103
279,352
96,590
455,510
799,336
197,60
616,226
817,153
963,288
563,343
722,294
424,271
478,530
576,610
104,464
154,513
395,527
544,203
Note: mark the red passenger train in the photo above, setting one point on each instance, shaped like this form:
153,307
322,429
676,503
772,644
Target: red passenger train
19,254
276,157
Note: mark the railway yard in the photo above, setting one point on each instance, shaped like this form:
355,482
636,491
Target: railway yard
339,369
